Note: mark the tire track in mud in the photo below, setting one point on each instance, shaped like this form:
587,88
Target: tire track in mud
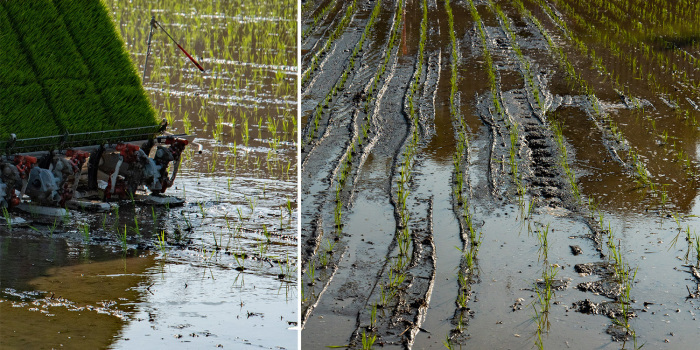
544,179
535,142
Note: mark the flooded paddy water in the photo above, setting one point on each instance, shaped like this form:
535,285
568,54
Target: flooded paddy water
500,174
219,271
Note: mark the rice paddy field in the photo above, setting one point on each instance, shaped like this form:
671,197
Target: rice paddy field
500,174
219,271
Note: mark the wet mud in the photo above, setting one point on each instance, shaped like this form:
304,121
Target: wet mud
531,196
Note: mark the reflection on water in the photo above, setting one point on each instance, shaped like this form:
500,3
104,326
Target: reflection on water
64,291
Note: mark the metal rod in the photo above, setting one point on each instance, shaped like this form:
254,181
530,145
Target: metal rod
180,47
148,50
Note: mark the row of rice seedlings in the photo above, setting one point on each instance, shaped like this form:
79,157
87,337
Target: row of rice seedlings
499,109
402,190
393,41
461,129
344,21
625,277
623,273
525,64
467,270
691,239
340,84
545,292
317,18
390,288
472,240
556,127
403,235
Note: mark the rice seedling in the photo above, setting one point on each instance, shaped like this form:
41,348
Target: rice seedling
240,261
448,342
289,207
7,217
696,246
161,240
368,341
312,273
85,229
323,259
136,226
252,203
122,236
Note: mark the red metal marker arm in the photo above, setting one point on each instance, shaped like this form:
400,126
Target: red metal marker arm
190,57
178,45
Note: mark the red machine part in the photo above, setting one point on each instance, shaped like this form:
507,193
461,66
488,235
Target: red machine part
67,193
177,146
24,165
128,151
119,189
14,200
77,159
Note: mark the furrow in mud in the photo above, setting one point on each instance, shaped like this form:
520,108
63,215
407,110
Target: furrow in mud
322,160
404,319
353,264
314,45
322,10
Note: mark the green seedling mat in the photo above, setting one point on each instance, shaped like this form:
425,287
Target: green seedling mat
66,79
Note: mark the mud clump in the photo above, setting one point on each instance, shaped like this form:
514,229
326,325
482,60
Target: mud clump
557,285
609,309
618,333
576,250
607,288
603,269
